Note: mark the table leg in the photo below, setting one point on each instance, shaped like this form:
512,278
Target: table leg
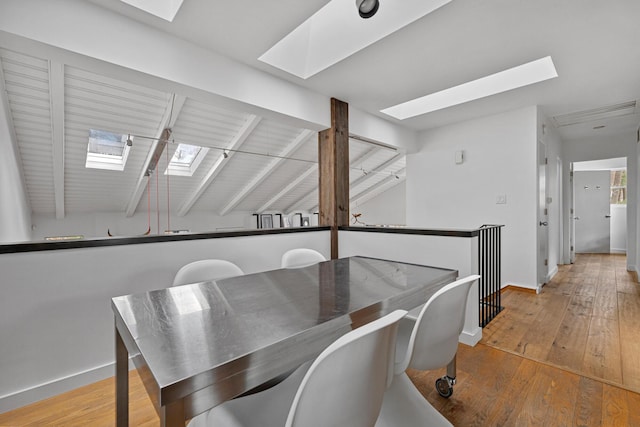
172,415
122,382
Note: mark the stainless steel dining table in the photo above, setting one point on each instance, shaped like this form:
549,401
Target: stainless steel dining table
196,346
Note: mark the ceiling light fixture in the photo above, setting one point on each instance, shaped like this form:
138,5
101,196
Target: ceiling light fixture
367,8
129,141
224,154
523,75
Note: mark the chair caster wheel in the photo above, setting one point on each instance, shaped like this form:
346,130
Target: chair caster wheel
444,387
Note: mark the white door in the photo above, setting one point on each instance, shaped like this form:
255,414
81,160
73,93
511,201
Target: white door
543,216
592,217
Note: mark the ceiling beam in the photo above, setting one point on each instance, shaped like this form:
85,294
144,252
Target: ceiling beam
304,201
370,174
56,99
382,186
171,114
219,165
300,140
364,157
293,184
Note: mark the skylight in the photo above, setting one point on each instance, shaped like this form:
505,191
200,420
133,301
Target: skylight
513,78
107,150
336,32
165,9
186,160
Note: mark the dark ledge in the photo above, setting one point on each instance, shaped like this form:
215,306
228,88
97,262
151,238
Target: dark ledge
418,231
117,241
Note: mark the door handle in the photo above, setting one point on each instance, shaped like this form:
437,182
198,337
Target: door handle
576,217
607,216
545,223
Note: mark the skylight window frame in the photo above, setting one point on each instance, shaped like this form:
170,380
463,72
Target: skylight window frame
165,9
513,78
107,161
177,169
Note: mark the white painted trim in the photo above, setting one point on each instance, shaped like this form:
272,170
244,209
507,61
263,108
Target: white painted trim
618,251
515,285
42,391
552,273
471,338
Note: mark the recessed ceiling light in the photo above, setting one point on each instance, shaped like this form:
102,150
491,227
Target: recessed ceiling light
336,32
513,78
165,9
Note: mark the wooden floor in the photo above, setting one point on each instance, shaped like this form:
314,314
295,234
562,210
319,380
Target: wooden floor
586,320
539,363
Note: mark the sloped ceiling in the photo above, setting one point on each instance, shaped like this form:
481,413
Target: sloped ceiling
269,166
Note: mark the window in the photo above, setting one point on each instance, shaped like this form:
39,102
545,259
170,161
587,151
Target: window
107,150
186,160
619,187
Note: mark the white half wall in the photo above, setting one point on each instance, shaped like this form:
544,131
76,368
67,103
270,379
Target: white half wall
56,321
500,165
458,253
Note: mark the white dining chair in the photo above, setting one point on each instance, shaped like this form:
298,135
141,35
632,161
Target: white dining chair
427,342
206,269
301,257
343,386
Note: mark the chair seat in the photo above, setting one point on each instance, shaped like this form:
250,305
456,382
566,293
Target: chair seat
267,409
404,406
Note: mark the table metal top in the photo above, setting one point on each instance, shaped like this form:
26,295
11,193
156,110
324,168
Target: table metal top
223,337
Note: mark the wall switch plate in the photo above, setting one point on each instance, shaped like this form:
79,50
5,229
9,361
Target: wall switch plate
459,157
501,199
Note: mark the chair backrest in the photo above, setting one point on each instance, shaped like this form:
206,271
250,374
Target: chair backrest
434,339
301,257
206,269
345,385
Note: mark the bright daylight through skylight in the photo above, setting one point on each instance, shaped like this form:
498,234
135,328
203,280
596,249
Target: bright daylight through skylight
107,150
336,32
186,160
513,78
165,9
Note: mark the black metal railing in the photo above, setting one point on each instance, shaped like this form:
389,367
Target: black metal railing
489,264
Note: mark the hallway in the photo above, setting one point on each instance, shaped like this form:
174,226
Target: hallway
586,321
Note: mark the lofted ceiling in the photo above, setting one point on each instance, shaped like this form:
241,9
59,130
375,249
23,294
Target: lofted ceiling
272,164
254,164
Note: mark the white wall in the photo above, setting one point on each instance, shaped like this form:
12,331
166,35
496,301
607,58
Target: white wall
609,146
618,229
458,253
500,160
387,208
56,323
15,221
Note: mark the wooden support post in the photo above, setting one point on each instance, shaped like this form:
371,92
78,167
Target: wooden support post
333,156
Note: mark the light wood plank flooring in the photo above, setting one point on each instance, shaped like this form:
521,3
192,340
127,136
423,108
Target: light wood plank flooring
586,320
556,346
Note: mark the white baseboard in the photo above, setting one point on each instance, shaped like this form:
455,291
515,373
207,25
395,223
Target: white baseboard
52,388
617,251
471,337
552,273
